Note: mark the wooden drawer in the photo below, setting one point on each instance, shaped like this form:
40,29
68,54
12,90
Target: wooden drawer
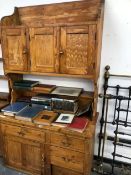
67,142
62,171
10,130
67,158
23,132
32,134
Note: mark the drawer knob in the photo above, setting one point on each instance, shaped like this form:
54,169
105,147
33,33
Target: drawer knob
66,159
21,133
61,52
65,143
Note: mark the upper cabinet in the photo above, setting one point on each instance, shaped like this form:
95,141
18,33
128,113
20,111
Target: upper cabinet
14,49
56,39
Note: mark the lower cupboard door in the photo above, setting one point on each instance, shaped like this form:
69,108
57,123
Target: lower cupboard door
32,160
13,153
62,171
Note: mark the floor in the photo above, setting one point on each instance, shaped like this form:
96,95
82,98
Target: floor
8,171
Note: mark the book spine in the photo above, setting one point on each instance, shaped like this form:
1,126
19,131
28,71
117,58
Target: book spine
22,87
25,84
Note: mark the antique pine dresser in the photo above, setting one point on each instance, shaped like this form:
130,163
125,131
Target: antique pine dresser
61,40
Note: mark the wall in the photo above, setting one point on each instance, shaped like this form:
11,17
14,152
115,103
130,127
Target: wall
116,46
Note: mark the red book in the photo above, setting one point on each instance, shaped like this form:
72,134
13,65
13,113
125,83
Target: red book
79,124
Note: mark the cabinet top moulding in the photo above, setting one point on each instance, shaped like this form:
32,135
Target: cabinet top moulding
81,12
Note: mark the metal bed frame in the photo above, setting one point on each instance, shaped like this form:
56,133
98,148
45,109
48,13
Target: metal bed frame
116,121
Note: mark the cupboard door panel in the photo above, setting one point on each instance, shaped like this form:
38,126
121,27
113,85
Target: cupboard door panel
14,49
13,153
43,48
77,52
32,157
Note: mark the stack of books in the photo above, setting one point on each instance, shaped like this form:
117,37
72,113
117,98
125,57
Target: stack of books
42,99
24,84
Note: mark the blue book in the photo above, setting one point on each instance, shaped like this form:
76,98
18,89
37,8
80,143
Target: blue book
29,112
14,108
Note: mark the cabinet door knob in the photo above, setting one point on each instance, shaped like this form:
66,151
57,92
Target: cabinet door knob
24,51
65,143
61,52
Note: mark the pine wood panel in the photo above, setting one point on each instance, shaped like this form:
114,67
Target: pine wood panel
14,49
61,13
43,49
76,57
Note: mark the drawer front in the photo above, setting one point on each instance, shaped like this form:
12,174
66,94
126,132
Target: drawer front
67,158
27,133
67,142
62,171
10,130
32,134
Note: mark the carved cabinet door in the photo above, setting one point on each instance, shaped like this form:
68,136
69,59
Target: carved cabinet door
77,50
43,49
14,49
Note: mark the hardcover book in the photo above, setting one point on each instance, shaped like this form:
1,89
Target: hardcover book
69,91
25,83
29,112
43,88
45,117
78,124
14,108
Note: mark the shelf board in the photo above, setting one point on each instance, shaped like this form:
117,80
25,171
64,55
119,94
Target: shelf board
3,77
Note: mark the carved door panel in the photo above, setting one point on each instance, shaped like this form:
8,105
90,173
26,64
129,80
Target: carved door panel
13,155
43,49
32,157
14,49
77,51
